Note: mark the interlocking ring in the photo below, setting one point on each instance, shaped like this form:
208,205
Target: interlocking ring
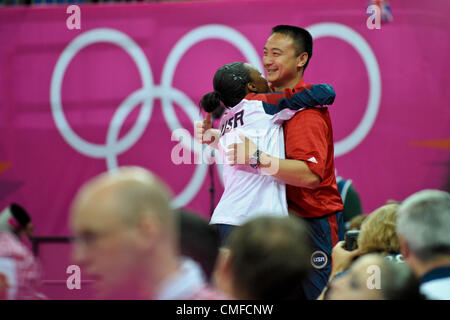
145,95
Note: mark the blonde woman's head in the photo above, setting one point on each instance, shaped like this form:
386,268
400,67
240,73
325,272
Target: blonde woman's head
378,231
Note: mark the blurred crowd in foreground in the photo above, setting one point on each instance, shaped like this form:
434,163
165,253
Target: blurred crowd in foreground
135,246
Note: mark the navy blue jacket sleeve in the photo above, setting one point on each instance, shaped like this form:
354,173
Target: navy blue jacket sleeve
318,95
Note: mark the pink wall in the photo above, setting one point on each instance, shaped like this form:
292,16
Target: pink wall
395,78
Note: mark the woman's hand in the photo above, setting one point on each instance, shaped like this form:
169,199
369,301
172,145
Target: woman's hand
240,153
204,133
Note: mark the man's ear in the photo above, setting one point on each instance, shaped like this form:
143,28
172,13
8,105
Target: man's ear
404,248
149,230
302,59
251,87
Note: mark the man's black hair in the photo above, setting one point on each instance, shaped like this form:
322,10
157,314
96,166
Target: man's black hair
302,39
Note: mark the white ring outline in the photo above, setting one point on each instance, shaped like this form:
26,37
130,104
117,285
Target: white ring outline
350,36
87,38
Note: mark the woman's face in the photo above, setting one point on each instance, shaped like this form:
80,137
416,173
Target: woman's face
260,84
354,284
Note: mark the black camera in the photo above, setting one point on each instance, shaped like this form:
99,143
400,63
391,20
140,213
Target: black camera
351,240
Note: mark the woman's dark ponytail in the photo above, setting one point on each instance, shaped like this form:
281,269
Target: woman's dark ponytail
229,83
210,101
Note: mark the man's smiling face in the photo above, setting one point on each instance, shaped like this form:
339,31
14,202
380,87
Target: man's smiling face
280,60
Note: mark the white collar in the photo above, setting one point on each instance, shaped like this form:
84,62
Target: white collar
183,283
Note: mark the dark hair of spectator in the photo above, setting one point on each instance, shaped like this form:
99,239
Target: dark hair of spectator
20,214
270,258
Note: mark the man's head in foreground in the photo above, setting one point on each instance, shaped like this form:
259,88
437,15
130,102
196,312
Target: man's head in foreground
125,233
266,258
423,227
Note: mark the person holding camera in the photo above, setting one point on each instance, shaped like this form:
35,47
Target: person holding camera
378,235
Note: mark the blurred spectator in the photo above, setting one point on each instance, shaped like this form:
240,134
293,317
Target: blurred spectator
126,238
372,277
378,231
350,198
423,228
392,201
199,241
355,223
20,273
16,219
266,258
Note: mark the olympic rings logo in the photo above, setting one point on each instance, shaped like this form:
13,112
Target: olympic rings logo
168,94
